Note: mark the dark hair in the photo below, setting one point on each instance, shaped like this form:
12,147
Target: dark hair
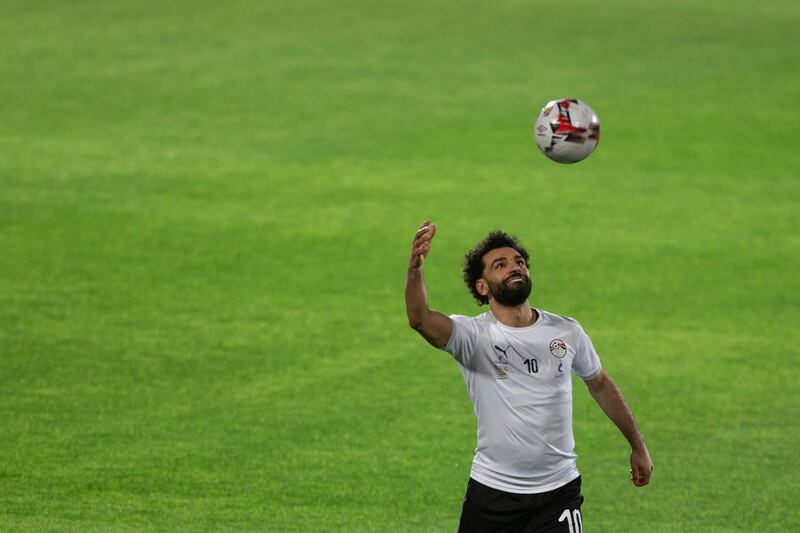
473,260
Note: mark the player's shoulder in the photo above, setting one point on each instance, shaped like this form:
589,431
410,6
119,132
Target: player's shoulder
481,321
564,322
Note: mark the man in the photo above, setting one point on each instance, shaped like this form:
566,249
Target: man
516,362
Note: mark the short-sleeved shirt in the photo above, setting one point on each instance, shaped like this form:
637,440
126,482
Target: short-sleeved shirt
518,380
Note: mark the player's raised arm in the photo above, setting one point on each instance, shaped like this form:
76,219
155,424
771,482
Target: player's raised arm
435,327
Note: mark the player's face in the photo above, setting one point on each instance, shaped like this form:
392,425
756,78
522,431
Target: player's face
506,276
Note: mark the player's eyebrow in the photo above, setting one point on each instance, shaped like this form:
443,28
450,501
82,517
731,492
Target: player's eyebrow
518,256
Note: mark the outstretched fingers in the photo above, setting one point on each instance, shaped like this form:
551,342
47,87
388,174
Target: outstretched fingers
422,242
424,235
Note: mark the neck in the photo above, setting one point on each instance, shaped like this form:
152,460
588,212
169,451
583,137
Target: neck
518,316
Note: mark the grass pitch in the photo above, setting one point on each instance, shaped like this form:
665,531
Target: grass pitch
205,215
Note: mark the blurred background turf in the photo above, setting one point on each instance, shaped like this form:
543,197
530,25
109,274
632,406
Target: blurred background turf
205,216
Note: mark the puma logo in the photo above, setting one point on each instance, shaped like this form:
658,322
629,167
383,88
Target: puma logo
504,356
499,349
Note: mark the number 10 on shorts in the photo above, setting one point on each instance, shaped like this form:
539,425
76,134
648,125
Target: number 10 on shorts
573,519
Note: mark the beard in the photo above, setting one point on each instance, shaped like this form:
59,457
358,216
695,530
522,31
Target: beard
510,293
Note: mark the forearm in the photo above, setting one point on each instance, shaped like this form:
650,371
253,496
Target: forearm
435,327
416,297
609,397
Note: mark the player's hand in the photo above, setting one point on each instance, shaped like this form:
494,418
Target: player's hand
641,467
422,244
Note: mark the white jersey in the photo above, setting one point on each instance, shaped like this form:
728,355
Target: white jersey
519,382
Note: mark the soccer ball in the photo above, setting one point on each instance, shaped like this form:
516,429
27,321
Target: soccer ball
567,130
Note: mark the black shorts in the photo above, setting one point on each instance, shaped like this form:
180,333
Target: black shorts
488,510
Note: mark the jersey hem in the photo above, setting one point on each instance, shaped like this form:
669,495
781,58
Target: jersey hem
573,474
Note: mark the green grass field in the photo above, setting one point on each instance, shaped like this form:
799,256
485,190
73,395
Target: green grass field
205,215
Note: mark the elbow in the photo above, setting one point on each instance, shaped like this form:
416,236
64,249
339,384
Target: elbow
416,319
414,323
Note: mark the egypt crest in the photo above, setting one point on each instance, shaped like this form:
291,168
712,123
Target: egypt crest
558,348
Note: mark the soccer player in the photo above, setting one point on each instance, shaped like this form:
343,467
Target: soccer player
516,361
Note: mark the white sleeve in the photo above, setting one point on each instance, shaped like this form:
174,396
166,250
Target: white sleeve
586,363
461,344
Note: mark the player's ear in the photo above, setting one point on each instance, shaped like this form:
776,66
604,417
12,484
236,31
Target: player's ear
481,287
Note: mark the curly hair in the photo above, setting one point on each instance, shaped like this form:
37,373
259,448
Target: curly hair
473,260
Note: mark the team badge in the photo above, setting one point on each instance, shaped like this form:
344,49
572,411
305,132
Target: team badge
558,348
